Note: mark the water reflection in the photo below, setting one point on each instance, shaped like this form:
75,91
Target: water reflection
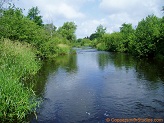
93,85
49,68
151,70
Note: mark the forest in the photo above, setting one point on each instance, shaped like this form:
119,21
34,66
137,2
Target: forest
25,41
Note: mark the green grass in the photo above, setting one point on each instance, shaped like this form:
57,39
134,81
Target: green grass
17,62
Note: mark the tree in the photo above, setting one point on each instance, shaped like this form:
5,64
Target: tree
33,14
147,34
126,28
100,30
128,36
68,31
2,2
15,26
50,28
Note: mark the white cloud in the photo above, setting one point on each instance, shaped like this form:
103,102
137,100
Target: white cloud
129,11
88,14
62,10
88,27
58,9
133,7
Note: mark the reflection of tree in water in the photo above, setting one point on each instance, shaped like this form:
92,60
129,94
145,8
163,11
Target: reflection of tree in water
67,62
103,60
38,82
118,59
121,60
150,70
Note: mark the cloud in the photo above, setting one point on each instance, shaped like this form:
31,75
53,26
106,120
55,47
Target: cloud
62,10
118,12
87,27
58,9
88,14
134,7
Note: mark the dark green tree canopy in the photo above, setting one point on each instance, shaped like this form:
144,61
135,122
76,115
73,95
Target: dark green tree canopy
100,30
68,31
33,14
126,28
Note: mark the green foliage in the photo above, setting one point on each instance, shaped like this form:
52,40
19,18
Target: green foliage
160,40
145,41
101,46
62,49
147,33
33,14
100,31
113,41
128,37
68,31
17,27
17,62
18,59
50,28
94,36
86,42
52,48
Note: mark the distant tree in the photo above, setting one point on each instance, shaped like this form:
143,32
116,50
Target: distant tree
33,14
94,36
50,28
68,31
100,30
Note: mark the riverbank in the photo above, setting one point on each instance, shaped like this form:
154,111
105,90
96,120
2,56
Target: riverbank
17,63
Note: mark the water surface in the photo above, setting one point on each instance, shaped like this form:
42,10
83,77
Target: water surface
94,85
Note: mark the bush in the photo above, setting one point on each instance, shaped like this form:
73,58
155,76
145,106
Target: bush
62,49
101,46
17,61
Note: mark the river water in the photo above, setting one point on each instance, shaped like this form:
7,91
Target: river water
92,85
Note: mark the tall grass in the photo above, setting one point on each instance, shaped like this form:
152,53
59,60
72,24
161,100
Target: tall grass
17,61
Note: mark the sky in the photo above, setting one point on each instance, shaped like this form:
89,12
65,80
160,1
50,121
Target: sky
88,14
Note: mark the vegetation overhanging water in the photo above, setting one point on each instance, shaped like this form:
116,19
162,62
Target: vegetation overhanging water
26,41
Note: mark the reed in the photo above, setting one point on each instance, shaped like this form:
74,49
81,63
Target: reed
17,62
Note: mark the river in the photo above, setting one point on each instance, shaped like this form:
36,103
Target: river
92,85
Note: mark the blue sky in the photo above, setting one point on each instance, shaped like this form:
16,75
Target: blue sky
88,14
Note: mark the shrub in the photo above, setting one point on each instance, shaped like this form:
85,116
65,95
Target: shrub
101,46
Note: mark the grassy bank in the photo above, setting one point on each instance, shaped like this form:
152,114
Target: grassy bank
17,62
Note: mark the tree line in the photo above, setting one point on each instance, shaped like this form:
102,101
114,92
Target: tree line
44,37
145,40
